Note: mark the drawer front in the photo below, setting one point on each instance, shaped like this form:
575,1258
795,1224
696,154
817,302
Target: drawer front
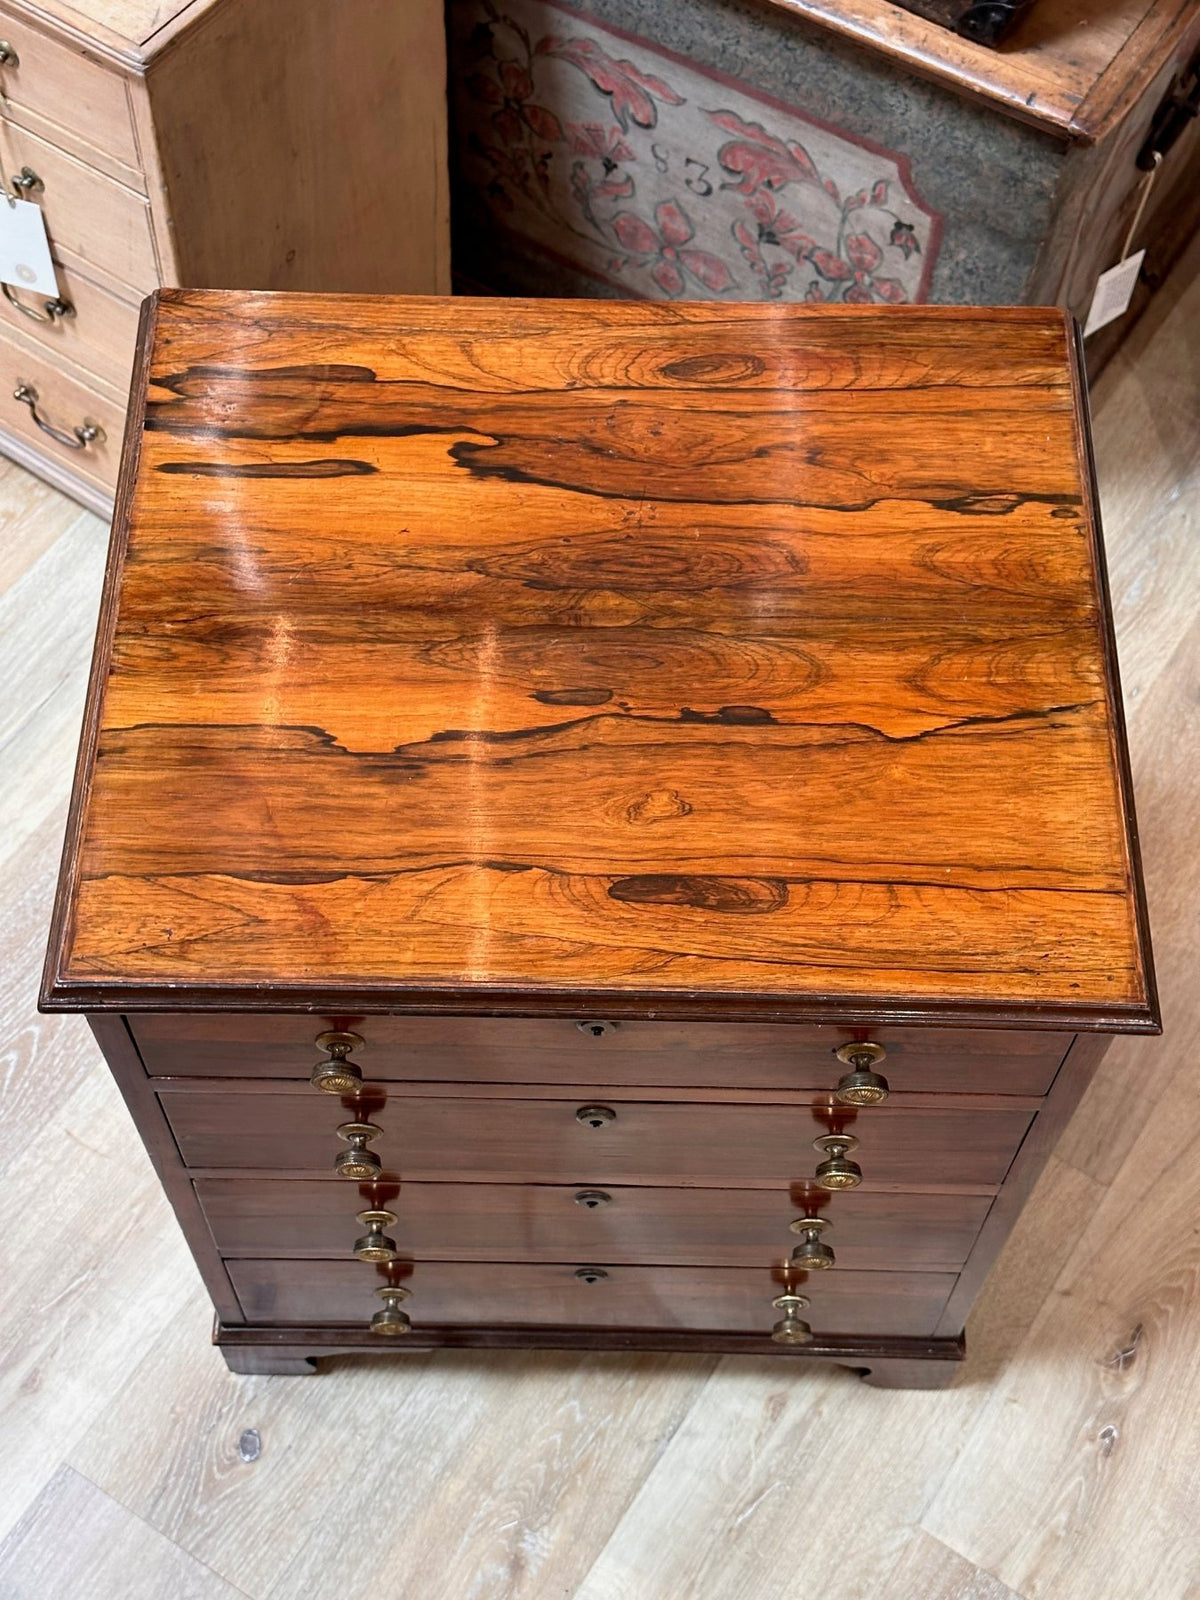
552,1223
64,402
544,1141
97,335
51,83
719,1299
643,1054
102,222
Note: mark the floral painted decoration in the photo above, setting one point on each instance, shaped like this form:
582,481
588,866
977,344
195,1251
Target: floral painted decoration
667,181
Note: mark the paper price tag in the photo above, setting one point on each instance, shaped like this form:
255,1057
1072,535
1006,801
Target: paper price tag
1114,291
24,250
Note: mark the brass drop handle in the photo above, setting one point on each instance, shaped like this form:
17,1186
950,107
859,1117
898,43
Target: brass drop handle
836,1171
790,1329
8,56
78,439
374,1245
595,1116
51,309
862,1085
337,1075
358,1162
25,182
812,1255
391,1321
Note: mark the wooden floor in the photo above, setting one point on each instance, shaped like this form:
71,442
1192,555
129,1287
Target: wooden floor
1065,1466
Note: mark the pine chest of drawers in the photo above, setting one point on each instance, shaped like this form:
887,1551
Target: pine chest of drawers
598,824
283,144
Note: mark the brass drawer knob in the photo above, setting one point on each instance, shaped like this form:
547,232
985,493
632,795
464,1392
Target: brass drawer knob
391,1321
25,182
375,1244
790,1329
590,1274
812,1255
862,1086
358,1162
337,1075
595,1116
8,56
592,1198
836,1172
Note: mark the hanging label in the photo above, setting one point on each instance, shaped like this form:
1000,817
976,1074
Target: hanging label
1114,291
24,250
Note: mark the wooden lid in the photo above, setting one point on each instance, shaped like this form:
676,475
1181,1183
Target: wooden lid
1074,68
686,659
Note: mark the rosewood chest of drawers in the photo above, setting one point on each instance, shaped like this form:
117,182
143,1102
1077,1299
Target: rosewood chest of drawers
602,824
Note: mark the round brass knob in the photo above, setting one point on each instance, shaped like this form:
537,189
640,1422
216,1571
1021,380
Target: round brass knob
8,56
358,1162
595,1116
835,1172
790,1329
590,1274
337,1075
812,1255
862,1086
375,1244
592,1198
391,1320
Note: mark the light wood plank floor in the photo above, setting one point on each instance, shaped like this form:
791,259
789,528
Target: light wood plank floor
1064,1466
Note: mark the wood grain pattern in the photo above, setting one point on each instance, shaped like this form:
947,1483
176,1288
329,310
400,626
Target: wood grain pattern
1071,67
544,1222
736,1057
514,1474
638,651
522,1295
541,1141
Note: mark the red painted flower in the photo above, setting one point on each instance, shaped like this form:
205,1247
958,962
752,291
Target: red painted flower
668,252
773,275
777,226
758,159
631,91
600,143
858,273
904,237
512,96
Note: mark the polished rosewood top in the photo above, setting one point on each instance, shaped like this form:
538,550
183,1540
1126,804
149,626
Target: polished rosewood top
520,655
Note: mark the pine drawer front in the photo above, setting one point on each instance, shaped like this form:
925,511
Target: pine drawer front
102,222
692,1144
74,100
553,1223
96,335
572,1050
63,403
508,1294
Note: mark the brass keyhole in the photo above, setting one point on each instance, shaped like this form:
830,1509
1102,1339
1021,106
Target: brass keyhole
591,1198
597,1030
590,1274
595,1116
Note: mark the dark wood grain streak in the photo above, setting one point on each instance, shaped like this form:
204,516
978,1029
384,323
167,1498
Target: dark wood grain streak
666,656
